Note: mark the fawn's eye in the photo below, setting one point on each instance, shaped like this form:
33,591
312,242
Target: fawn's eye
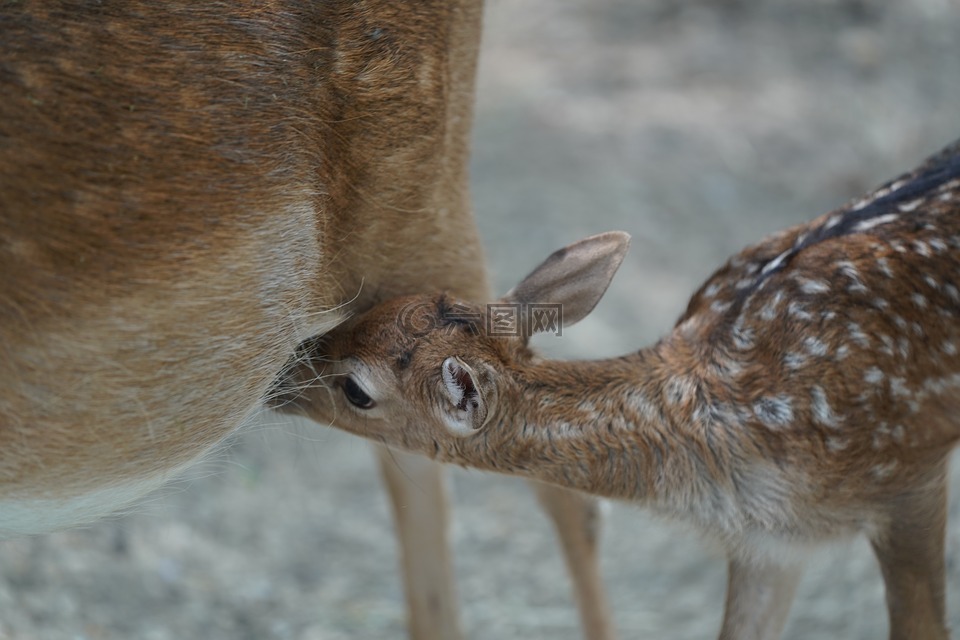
355,395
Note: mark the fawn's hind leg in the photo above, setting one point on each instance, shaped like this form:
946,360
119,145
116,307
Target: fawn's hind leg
911,554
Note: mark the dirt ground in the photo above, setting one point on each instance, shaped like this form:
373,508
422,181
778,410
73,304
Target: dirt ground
697,126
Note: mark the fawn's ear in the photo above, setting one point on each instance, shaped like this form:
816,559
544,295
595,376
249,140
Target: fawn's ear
468,409
576,276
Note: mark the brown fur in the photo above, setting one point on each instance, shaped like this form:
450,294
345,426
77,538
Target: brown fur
185,190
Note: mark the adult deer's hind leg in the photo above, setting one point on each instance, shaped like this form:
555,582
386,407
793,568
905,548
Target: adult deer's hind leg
417,489
911,555
576,517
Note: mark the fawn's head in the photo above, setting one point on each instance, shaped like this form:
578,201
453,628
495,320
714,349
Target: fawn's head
420,366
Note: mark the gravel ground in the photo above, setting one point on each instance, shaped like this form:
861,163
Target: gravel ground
696,126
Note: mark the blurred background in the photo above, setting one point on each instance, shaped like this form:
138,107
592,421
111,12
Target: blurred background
698,127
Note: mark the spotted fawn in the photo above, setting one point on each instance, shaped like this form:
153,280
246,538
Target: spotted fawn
809,393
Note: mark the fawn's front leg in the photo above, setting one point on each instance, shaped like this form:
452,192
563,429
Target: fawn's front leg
577,519
910,552
417,489
759,595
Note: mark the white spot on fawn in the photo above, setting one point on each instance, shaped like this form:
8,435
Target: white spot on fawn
774,411
837,444
815,346
850,270
903,346
776,262
873,375
898,387
794,360
857,334
922,248
813,286
885,470
822,411
884,267
887,341
769,311
797,310
742,338
907,207
870,223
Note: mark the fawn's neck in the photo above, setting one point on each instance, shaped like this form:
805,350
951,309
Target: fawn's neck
633,427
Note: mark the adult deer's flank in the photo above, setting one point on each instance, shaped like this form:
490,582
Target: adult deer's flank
808,393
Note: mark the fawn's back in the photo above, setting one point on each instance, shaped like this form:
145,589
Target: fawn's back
836,342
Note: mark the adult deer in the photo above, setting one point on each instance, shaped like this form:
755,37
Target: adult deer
809,393
188,191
